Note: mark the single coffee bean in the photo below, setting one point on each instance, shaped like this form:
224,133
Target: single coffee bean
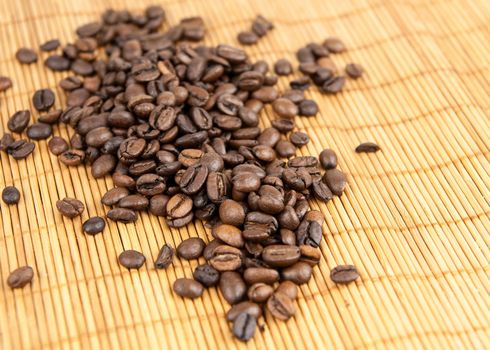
283,67
20,277
50,45
247,307
19,121
328,159
134,202
247,38
5,83
298,273
207,275
283,125
93,225
299,138
225,258
131,259
334,45
72,157
191,248
254,275
188,288
260,292
261,25
122,215
57,145
179,206
246,182
26,56
280,255
39,131
20,149
309,255
285,149
10,195
114,195
231,213
232,287
150,184
288,288
57,63
50,117
367,147
5,141
158,204
70,207
354,70
229,234
285,108
302,83
165,257
334,85
103,165
281,306
194,179
43,99
244,327
344,274
321,191
308,108
335,180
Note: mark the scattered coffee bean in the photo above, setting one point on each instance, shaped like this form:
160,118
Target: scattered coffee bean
57,63
93,225
299,138
39,131
281,306
354,70
131,259
232,287
19,121
71,207
367,147
188,288
247,307
328,159
335,180
26,56
10,195
308,108
334,45
344,274
50,45
20,277
122,215
247,38
207,275
283,67
288,288
191,248
244,326
285,108
72,157
5,83
5,141
43,99
165,257
20,149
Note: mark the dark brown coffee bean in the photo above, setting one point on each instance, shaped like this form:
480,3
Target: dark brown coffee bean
299,138
280,255
334,45
246,182
285,149
180,222
281,306
231,54
310,255
158,205
288,219
254,275
259,292
335,180
43,99
225,258
93,225
191,248
298,273
114,195
297,179
5,83
26,56
367,147
301,84
232,213
5,141
131,259
188,288
208,251
247,38
283,67
310,233
20,277
288,288
207,275
70,207
344,274
179,206
334,85
266,94
321,191
134,202
122,215
10,195
150,184
19,121
57,63
244,327
243,307
72,157
50,117
50,45
103,165
328,159
285,108
232,287
354,70
261,25
165,257
20,149
201,118
229,234
308,108
39,131
283,125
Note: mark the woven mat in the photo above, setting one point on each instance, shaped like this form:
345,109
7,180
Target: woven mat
414,220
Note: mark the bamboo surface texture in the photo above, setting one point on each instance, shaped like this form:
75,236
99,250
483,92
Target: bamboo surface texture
414,219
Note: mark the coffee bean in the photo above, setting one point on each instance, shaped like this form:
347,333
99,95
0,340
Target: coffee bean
280,255
301,84
134,202
354,70
298,273
269,137
243,307
283,125
5,141
39,131
244,327
194,179
247,38
328,159
299,138
5,83
103,165
232,213
259,292
283,67
122,215
207,275
50,117
165,257
26,56
191,248
150,184
321,191
20,149
281,306
43,99
57,63
93,225
229,234
232,287
308,108
19,121
50,45
285,149
114,195
254,275
367,147
10,195
335,180
180,222
334,85
285,108
225,258
72,157
344,274
288,288
131,259
70,207
179,206
20,277
261,25
246,182
188,288
334,45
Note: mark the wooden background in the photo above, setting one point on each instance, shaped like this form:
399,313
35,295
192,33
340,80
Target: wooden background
414,220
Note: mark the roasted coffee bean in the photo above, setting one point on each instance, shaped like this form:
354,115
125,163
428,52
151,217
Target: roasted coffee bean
70,207
288,288
158,205
310,255
43,99
310,233
367,147
50,117
134,202
229,234
302,83
180,222
225,258
247,307
50,45
20,277
269,137
354,70
150,184
321,191
288,219
266,94
280,255
281,306
334,85
57,63
259,226
285,108
287,236
231,212
103,165
308,108
93,225
191,248
259,292
261,25
122,180
231,54
122,215
246,182
321,75
188,288
285,149
39,131
283,125
303,161
194,179
19,121
179,206
244,327
334,45
298,273
254,275
232,287
344,274
229,104
297,178
247,38
328,159
26,56
20,149
10,195
131,259
114,195
165,257
5,83
283,67
208,251
5,141
299,138
207,275
335,180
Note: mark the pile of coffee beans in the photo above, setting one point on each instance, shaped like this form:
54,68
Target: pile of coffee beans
176,126
259,28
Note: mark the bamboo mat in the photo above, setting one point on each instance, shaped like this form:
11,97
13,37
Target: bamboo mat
414,219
